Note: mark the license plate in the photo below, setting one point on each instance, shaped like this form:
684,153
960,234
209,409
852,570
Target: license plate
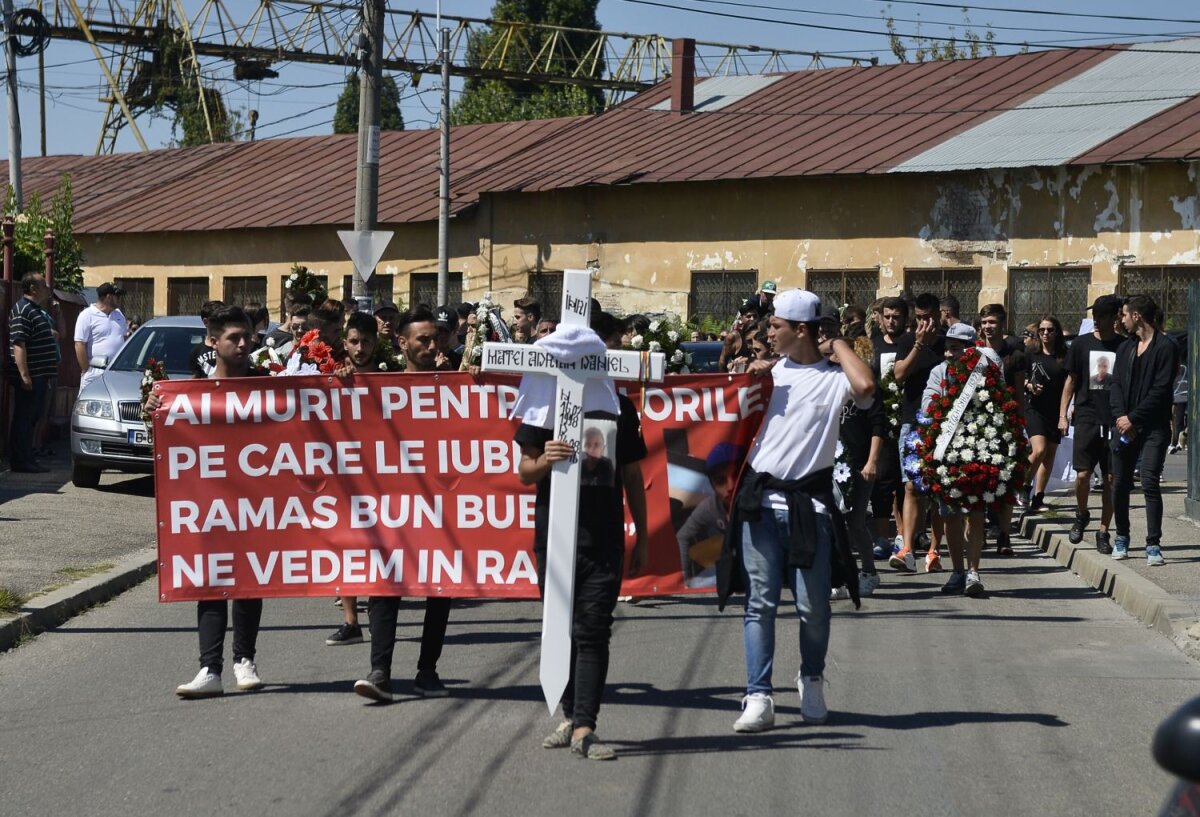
139,437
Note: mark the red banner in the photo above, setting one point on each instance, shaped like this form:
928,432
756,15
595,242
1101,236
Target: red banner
405,484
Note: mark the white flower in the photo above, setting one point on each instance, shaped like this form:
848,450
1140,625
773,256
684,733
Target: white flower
989,497
997,459
972,499
271,342
673,336
893,386
984,396
655,346
654,325
943,471
288,283
637,342
1005,474
677,357
841,449
383,367
293,276
1002,490
841,472
952,456
955,493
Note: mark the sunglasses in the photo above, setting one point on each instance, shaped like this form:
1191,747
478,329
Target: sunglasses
1046,329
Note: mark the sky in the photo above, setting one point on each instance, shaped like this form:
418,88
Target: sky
301,101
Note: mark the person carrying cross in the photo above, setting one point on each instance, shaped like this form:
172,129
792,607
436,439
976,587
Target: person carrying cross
785,526
611,424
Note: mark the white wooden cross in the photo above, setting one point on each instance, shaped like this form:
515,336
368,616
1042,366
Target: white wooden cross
559,590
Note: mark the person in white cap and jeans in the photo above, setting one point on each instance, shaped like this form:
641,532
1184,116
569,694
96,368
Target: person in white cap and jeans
786,526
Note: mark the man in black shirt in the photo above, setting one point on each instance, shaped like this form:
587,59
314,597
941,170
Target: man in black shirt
1089,354
203,359
600,552
886,498
917,354
1143,381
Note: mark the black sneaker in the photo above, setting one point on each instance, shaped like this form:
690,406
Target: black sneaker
1104,542
955,585
376,686
429,685
1037,503
346,634
1077,528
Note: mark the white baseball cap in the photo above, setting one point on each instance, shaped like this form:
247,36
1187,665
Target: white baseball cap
798,305
961,331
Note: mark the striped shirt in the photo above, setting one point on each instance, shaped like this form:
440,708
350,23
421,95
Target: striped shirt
27,326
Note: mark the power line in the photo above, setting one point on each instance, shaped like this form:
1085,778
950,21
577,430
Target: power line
961,6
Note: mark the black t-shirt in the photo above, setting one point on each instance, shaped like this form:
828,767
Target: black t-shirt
1090,362
885,356
203,360
609,443
1050,373
914,383
1013,364
857,428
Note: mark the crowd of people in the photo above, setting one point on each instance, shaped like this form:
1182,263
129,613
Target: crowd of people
874,386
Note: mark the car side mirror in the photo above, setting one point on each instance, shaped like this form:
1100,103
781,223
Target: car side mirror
99,362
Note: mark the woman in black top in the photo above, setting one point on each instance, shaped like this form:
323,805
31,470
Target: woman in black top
1044,382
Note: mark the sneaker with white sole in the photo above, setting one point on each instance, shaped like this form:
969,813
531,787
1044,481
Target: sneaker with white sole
839,593
812,699
903,560
1120,548
247,674
881,549
1154,557
974,587
868,583
758,713
206,684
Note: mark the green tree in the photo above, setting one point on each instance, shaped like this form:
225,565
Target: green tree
968,45
491,100
345,116
32,222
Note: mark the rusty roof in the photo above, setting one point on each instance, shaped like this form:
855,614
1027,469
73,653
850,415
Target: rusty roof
861,120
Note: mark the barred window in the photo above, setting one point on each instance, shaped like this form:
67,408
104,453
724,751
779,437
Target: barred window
1168,286
964,284
1058,291
185,296
838,287
242,290
719,294
139,297
423,289
546,288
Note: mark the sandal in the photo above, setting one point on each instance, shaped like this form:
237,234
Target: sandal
1003,545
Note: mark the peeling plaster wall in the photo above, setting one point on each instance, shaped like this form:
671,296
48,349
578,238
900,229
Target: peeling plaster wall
647,239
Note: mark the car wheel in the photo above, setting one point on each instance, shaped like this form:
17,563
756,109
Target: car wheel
83,476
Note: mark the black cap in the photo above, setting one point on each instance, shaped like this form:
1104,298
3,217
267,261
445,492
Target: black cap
1111,303
444,318
385,306
104,290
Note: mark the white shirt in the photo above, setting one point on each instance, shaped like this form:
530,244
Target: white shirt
104,335
800,432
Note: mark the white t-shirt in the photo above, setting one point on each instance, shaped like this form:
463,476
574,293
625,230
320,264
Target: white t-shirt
800,432
104,335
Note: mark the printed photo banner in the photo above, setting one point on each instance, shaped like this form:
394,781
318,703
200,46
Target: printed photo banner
405,484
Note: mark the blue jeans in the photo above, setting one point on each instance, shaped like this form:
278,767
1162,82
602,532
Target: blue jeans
765,562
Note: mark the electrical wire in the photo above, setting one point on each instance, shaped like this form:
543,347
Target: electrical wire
1049,13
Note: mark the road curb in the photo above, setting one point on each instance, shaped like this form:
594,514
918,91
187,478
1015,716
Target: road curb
1137,595
52,609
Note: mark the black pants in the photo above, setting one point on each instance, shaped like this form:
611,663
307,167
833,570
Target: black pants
1181,414
597,585
1151,448
28,407
382,612
212,618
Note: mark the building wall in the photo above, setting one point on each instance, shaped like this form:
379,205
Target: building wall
647,240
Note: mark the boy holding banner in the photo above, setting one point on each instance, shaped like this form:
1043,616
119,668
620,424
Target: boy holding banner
785,525
230,331
600,541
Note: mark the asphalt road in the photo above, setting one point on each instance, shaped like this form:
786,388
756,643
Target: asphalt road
1040,699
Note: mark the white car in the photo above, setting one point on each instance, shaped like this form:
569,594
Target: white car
107,431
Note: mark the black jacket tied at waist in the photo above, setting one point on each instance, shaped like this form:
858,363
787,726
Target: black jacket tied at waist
802,527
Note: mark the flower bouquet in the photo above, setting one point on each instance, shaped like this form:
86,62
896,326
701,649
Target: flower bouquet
664,335
268,358
893,397
156,370
489,327
302,280
387,359
313,356
985,456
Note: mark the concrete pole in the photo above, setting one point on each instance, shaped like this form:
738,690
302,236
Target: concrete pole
443,279
366,191
14,112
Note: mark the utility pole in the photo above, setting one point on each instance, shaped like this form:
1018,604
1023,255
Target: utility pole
366,190
42,96
14,112
443,279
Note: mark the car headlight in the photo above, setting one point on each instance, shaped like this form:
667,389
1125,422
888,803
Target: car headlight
95,408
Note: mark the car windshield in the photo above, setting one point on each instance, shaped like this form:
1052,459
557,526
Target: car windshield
170,344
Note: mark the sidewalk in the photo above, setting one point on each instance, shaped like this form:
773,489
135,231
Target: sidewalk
1165,598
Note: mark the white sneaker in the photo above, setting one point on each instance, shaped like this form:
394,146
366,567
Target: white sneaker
839,593
758,713
247,674
812,699
206,684
868,583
